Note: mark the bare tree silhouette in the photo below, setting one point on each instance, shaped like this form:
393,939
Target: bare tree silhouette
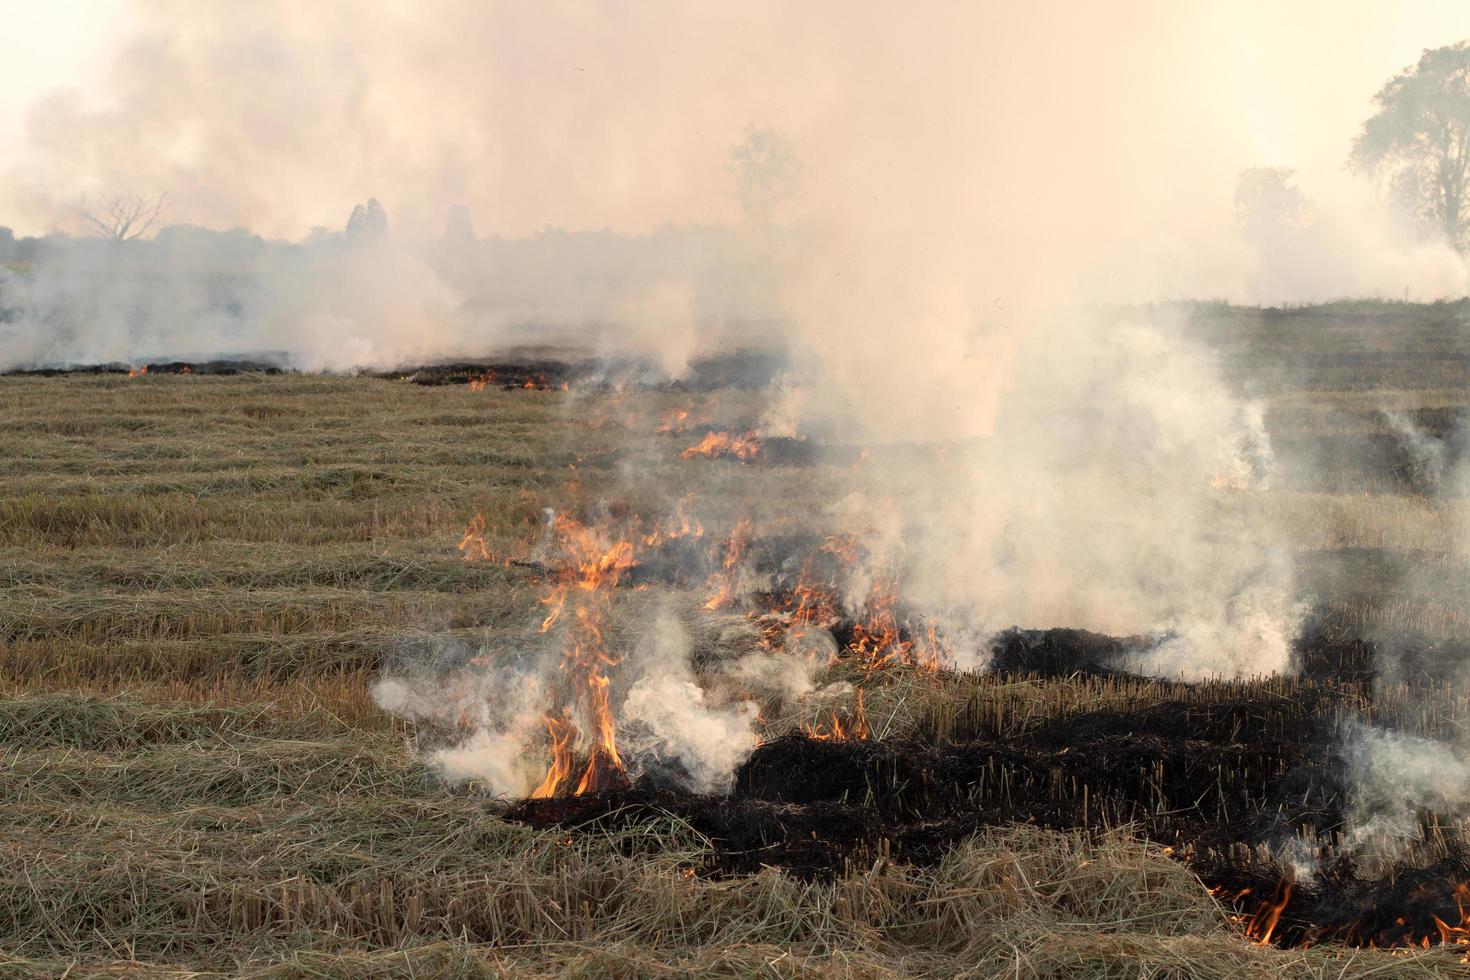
122,217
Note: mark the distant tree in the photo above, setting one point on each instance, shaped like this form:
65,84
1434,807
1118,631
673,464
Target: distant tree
367,221
767,173
121,217
1267,201
1269,197
459,228
1420,138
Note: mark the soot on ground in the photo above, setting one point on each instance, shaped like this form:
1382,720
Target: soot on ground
1225,783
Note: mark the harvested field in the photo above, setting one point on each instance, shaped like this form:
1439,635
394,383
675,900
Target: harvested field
204,575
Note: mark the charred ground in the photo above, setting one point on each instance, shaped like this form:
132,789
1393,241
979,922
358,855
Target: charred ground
205,573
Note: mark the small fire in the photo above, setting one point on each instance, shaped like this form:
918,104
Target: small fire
135,372
855,730
472,546
584,736
562,733
723,583
1262,923
186,370
722,445
482,381
877,640
595,559
677,420
682,526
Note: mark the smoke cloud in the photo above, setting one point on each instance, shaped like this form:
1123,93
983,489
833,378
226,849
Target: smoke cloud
975,180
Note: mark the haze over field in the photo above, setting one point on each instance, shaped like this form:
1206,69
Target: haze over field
936,196
828,431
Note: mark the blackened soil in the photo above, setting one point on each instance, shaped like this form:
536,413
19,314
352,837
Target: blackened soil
1209,775
734,369
1213,780
212,367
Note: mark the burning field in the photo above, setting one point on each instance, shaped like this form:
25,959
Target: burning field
522,669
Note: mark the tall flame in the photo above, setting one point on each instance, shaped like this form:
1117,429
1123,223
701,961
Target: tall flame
723,583
472,546
586,737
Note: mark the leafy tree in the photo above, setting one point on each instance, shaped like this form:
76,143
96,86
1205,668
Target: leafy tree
1267,201
459,229
1420,138
367,221
767,173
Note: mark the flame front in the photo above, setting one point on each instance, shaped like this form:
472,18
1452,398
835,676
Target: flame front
592,560
1261,919
722,445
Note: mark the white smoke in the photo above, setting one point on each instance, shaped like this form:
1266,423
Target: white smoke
1394,777
668,716
496,701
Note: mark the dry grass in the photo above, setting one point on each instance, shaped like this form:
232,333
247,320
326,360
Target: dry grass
201,577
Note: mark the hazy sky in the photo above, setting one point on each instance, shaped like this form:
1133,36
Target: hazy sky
51,44
281,115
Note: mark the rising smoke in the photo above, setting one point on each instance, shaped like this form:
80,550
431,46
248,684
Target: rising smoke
975,177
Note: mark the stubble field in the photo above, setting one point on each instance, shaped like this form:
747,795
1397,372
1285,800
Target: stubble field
202,577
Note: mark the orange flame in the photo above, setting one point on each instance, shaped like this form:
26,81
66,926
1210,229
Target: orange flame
584,583
562,733
856,729
1263,923
482,381
472,546
682,526
677,420
720,445
723,583
137,372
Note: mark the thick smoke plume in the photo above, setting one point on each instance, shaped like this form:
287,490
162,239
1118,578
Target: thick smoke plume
974,180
